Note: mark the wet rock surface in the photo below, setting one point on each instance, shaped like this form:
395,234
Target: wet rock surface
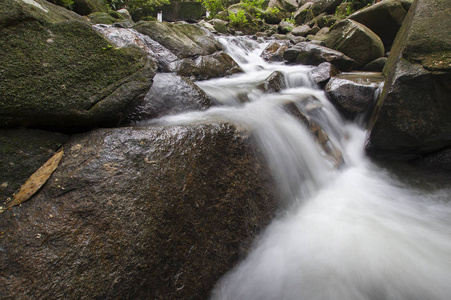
170,94
138,213
323,72
353,94
274,83
216,65
22,152
311,54
275,51
411,118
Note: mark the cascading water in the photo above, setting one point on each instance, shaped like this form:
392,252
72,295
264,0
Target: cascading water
349,230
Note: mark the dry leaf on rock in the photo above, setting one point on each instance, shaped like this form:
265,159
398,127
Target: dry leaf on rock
34,183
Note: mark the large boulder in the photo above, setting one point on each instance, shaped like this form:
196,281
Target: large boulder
56,71
411,118
383,18
138,213
86,7
311,54
170,94
184,40
356,41
303,13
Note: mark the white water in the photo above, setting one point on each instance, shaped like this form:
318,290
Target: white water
356,232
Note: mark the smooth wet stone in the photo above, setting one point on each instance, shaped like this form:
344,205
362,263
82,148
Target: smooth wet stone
311,54
142,213
353,94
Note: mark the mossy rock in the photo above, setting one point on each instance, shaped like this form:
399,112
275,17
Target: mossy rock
58,72
184,40
102,18
86,7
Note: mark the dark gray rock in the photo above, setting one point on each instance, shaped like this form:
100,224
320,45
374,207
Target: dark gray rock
23,152
327,20
284,27
274,83
383,18
353,94
325,6
376,65
303,13
302,30
170,94
411,118
216,65
323,72
138,213
356,41
275,51
311,54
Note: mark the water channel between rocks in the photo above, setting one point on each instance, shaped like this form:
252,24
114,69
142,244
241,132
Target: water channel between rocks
349,229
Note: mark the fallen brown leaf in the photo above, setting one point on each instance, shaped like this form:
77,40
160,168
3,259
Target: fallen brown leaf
36,180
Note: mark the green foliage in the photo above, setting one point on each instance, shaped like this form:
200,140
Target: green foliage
65,3
273,10
214,6
249,4
239,19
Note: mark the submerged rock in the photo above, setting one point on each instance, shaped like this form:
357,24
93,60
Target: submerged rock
311,54
129,214
356,41
411,118
56,71
170,94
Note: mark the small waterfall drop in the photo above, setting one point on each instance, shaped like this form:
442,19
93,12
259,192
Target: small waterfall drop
349,231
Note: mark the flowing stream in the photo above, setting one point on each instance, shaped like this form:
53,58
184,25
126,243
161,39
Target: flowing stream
349,229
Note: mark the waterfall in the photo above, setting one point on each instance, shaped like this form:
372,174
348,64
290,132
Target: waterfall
359,232
348,231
